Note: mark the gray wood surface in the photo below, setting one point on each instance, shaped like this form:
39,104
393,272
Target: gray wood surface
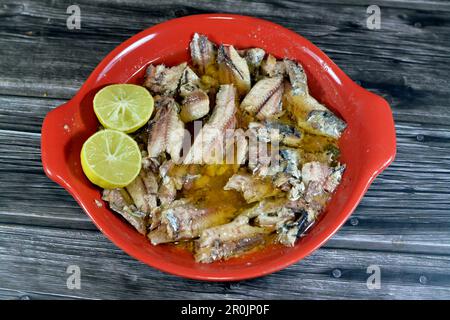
401,225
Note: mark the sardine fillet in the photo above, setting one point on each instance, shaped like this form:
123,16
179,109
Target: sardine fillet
227,240
267,91
242,235
305,109
182,220
119,203
138,193
163,80
233,69
252,189
166,133
212,133
203,52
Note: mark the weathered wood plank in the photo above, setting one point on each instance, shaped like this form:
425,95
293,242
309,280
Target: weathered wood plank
26,194
405,212
395,60
36,260
7,294
25,114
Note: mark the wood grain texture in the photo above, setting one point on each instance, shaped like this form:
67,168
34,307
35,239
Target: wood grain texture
42,255
402,224
409,40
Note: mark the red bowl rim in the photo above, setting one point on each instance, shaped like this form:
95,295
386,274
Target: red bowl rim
369,175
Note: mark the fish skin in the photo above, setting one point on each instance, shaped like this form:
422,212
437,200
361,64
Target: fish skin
297,96
271,67
296,189
297,77
286,175
289,219
167,191
275,131
275,219
118,203
225,106
254,58
309,114
203,53
182,220
315,171
163,80
212,135
334,179
189,82
233,69
225,241
150,181
288,233
137,191
247,231
176,221
196,102
252,188
266,206
166,132
289,135
292,158
273,108
136,201
320,179
264,98
301,104
326,122
195,106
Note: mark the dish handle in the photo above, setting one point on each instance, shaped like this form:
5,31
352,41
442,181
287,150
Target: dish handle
381,136
56,134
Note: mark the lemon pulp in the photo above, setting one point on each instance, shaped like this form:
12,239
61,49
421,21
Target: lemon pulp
123,107
111,159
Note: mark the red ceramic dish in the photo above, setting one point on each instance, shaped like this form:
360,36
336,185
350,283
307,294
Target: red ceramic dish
368,145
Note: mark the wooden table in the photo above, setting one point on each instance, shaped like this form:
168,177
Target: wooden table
402,225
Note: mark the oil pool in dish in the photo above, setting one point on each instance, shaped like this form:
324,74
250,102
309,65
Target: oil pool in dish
221,155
